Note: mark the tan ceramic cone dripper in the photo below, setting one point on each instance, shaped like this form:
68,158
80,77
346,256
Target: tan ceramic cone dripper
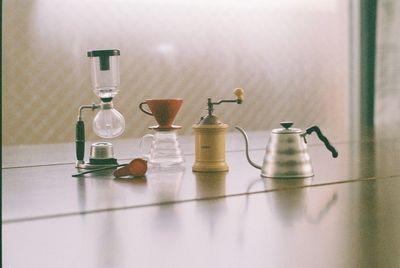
163,110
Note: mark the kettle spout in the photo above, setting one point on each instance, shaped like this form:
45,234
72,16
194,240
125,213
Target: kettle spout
246,139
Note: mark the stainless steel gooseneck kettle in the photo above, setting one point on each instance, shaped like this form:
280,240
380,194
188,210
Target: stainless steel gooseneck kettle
286,155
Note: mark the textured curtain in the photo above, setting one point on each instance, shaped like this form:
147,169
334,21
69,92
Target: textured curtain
387,82
290,56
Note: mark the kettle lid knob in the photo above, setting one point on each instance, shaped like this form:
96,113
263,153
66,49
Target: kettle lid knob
286,124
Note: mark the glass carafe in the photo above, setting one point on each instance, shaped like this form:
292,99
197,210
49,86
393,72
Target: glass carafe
165,150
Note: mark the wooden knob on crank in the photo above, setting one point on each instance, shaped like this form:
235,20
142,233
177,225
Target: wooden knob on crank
239,93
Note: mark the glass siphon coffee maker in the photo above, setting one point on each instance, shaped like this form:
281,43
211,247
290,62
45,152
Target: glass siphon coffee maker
165,150
108,122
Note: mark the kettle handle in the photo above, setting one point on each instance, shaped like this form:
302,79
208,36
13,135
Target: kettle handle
323,139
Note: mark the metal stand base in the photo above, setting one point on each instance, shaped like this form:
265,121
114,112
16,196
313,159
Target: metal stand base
83,165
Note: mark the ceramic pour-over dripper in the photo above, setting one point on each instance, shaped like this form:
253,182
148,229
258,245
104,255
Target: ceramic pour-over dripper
164,112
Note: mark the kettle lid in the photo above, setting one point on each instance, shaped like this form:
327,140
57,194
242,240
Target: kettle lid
286,128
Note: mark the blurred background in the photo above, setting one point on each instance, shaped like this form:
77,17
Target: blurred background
297,60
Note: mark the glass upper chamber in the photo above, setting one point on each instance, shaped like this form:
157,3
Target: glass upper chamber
105,72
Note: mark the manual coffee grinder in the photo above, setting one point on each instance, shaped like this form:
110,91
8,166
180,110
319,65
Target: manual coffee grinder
210,138
108,123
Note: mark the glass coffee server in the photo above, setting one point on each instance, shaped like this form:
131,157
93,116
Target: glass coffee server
165,151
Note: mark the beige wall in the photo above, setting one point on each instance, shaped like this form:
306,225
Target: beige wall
291,58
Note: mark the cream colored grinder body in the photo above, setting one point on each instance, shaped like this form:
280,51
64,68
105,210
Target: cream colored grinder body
210,148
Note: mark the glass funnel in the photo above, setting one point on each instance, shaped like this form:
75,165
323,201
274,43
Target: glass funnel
105,72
